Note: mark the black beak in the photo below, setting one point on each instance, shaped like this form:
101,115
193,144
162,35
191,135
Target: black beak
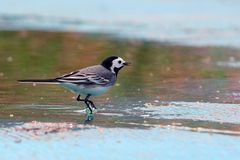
127,64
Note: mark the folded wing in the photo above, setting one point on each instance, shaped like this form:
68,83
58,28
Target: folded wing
82,78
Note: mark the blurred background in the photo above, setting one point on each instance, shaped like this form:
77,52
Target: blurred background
209,22
182,89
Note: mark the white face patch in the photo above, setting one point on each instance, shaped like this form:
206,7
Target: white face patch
117,63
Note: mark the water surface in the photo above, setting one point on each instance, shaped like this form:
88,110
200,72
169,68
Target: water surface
171,96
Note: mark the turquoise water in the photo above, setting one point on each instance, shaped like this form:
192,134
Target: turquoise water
104,143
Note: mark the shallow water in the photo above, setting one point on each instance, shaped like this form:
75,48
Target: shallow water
172,96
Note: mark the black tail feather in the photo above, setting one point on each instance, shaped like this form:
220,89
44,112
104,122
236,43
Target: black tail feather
49,81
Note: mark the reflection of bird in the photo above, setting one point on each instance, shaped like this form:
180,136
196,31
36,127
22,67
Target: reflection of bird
89,81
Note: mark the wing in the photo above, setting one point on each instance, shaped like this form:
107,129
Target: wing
82,78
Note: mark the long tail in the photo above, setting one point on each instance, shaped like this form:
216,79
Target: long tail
40,81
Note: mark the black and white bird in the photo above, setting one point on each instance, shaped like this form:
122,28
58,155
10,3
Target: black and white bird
89,81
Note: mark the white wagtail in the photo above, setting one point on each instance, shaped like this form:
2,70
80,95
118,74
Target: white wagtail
89,81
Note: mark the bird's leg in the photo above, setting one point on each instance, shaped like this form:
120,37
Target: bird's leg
86,102
88,106
91,102
90,115
79,99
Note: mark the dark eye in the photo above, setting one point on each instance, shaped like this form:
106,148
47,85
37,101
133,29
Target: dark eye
119,62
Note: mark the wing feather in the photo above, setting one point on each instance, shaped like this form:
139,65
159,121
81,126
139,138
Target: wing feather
82,78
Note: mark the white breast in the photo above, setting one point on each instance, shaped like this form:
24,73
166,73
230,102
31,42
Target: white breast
82,90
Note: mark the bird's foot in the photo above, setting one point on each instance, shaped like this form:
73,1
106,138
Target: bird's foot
89,117
90,113
89,110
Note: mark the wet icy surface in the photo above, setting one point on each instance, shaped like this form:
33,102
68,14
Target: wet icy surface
30,142
216,112
211,118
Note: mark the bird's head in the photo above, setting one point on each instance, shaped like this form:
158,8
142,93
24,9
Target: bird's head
114,64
